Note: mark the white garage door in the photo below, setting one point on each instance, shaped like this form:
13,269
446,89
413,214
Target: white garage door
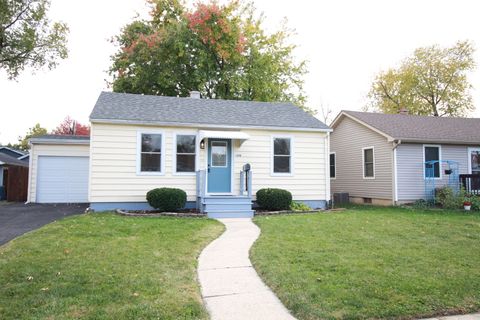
62,179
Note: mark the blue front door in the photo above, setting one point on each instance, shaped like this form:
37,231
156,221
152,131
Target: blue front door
219,166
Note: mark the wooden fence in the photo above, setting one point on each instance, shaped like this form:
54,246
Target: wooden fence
16,183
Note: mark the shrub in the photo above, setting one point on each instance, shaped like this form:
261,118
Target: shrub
167,199
299,206
274,199
448,199
475,200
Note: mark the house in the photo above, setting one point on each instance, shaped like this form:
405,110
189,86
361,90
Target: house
13,176
13,152
203,146
390,158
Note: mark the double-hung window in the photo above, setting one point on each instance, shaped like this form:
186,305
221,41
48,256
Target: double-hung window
368,163
282,155
150,156
432,161
332,166
185,153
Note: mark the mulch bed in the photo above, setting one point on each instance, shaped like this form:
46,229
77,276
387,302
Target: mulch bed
155,213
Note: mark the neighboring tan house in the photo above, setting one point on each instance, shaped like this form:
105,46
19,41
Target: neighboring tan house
203,146
381,158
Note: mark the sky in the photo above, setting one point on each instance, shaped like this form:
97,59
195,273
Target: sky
346,43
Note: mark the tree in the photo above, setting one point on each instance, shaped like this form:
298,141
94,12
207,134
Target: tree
71,127
28,37
220,50
431,82
34,131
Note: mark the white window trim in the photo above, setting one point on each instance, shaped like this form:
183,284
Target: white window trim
439,160
334,166
272,154
174,153
469,150
363,163
225,144
139,154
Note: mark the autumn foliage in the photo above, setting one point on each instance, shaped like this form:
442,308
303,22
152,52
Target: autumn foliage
71,127
219,49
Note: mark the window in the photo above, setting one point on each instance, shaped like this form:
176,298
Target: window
150,152
185,155
432,153
368,163
219,154
332,165
282,155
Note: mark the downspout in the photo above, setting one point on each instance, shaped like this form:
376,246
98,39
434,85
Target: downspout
396,143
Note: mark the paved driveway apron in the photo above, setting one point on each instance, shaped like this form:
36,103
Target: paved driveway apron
230,286
18,218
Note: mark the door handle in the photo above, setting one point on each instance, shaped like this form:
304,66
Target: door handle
208,169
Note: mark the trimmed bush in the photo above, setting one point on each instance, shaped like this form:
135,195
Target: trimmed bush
274,199
167,199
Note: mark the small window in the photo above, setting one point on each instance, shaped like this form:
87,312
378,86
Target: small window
151,152
368,163
282,155
219,154
432,153
185,153
332,165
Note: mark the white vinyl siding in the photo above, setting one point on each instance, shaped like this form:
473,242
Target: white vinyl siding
52,150
114,179
410,168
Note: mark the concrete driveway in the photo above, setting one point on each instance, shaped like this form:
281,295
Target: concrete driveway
18,218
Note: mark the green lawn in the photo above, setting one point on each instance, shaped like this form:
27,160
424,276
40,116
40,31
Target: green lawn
369,262
104,266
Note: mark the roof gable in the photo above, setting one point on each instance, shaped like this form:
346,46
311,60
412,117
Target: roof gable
147,109
411,128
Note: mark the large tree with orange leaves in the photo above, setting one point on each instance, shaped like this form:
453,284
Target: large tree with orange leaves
220,50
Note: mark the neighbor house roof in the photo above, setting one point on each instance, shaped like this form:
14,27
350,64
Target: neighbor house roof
411,128
145,109
60,139
9,160
12,152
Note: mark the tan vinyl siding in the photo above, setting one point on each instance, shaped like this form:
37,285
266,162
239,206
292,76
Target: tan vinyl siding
410,162
347,141
50,150
114,154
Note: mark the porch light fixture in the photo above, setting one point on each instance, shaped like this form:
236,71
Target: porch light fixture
202,144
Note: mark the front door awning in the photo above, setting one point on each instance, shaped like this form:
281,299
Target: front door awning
234,135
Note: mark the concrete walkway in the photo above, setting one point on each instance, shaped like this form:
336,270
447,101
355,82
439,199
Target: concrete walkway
230,286
475,316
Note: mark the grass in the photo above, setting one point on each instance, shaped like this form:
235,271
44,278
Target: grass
104,266
369,262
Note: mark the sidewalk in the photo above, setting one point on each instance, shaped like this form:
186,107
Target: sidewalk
230,286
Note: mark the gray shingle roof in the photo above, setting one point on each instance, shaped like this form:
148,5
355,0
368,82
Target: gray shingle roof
173,110
423,128
8,160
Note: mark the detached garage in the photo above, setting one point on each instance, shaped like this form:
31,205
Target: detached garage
59,169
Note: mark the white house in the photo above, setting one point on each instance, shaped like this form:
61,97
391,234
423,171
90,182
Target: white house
202,146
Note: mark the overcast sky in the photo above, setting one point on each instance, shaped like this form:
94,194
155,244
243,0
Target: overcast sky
345,42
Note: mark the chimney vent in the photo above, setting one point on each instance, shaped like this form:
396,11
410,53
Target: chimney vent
403,111
195,94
